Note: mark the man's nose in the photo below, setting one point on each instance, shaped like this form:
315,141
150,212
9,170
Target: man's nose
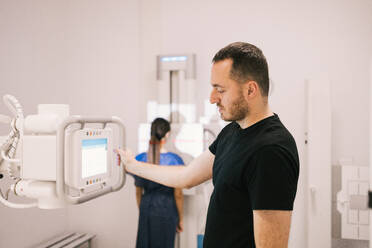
213,97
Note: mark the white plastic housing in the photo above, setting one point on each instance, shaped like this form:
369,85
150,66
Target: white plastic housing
44,192
47,120
352,202
39,161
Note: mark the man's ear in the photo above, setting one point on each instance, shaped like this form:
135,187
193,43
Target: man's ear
251,89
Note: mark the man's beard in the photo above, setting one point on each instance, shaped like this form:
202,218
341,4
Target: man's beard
238,109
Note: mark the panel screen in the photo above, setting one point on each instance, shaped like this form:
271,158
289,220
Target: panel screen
94,157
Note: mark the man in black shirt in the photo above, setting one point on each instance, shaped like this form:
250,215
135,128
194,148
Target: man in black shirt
253,162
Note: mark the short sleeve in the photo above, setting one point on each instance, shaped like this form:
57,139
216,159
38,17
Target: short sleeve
224,132
213,146
273,182
142,157
178,160
171,158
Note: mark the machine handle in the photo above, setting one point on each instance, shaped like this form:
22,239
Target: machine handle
60,177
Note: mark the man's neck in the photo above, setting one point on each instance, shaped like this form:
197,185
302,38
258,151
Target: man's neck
255,116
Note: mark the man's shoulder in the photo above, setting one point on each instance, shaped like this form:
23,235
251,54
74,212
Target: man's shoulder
277,141
228,128
275,132
274,136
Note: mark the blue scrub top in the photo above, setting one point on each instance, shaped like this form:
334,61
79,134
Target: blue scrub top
158,216
158,199
168,158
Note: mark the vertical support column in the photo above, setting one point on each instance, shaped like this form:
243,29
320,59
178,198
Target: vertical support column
319,163
176,76
370,145
174,97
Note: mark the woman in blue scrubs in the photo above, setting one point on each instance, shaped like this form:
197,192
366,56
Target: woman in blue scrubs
160,207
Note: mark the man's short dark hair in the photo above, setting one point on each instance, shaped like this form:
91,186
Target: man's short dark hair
248,63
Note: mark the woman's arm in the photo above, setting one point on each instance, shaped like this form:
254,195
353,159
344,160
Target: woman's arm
139,191
178,197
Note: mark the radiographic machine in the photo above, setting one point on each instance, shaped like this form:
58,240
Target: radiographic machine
57,159
176,77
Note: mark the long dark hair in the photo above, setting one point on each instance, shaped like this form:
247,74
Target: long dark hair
159,128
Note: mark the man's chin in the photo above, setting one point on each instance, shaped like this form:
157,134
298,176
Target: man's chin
224,118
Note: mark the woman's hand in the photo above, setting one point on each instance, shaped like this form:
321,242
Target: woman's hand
179,227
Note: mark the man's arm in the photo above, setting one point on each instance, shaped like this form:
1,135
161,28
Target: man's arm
271,228
197,172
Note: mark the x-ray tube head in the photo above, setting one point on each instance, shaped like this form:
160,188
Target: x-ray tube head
61,159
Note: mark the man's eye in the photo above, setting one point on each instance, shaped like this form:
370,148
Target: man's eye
220,91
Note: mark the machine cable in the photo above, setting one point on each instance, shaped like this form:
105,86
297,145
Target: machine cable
9,147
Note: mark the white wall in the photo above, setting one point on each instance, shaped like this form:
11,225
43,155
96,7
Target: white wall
104,67
370,142
83,53
32,58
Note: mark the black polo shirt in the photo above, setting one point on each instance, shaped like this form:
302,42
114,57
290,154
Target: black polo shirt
256,168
